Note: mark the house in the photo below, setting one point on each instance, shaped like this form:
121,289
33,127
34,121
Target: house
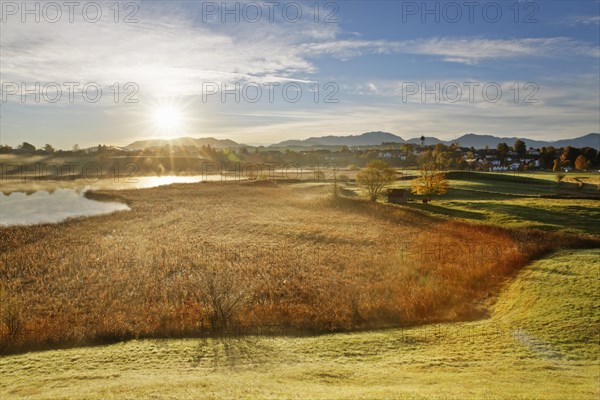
515,166
397,196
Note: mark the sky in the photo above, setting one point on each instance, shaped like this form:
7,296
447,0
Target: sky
261,72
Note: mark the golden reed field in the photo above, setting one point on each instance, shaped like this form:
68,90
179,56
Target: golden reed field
209,258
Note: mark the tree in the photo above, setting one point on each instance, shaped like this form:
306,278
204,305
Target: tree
556,166
27,147
375,177
569,156
48,148
437,150
549,157
502,150
431,182
581,163
590,154
445,160
520,148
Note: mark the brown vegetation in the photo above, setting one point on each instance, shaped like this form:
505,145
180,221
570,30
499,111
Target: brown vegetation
198,257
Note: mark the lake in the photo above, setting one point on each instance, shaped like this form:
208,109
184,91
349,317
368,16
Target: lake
50,202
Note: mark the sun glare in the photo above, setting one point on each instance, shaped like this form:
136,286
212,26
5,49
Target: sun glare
168,118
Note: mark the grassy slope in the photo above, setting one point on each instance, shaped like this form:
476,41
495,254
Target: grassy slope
540,342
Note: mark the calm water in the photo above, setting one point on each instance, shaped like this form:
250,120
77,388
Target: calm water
55,206
55,202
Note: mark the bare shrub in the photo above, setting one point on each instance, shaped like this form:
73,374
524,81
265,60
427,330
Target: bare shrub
222,294
12,318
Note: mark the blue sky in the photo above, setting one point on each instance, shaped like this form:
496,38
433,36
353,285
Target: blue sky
374,59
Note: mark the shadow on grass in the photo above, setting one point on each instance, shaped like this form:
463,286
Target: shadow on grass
548,219
556,271
232,351
449,212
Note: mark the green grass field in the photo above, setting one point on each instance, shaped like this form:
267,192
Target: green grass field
517,200
540,342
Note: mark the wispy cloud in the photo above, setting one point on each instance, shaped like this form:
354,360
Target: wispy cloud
168,53
459,50
162,54
582,20
171,54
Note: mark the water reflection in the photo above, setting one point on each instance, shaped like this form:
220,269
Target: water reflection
51,206
43,201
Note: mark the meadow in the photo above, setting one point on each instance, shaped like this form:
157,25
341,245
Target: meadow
539,342
281,289
194,259
532,200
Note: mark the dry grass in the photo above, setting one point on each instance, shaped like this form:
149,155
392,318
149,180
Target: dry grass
198,257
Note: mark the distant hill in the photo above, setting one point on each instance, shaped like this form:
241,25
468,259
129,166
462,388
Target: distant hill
374,139
469,140
480,141
366,139
429,140
183,141
589,140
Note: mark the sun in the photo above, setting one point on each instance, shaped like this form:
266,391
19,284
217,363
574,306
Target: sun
168,118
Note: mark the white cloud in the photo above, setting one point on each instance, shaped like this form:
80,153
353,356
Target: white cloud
459,50
169,54
166,54
583,19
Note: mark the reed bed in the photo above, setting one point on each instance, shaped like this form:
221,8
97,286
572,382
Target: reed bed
195,258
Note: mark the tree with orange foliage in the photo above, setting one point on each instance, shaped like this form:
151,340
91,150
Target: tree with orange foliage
431,182
581,163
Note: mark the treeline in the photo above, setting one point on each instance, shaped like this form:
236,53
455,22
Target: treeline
187,158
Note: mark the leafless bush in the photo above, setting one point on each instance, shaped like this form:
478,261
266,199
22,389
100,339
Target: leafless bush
222,293
12,318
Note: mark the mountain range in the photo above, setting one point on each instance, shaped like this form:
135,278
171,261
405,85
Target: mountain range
183,141
469,140
374,139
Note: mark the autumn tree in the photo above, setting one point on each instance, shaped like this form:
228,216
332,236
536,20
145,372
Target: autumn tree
556,165
431,182
581,163
375,177
569,156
